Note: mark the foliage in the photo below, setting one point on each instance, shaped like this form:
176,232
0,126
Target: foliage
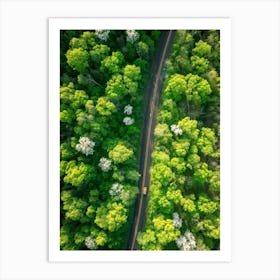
78,59
103,78
120,153
101,104
184,189
111,217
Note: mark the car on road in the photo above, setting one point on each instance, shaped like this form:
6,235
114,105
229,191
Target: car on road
145,189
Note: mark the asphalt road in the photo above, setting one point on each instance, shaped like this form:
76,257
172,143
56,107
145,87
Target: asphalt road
152,101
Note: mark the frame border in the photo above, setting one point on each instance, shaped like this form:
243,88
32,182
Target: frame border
57,24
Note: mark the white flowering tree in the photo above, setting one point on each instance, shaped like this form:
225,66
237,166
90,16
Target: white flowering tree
186,242
105,164
85,146
177,221
116,190
128,121
90,243
176,129
132,36
102,35
128,109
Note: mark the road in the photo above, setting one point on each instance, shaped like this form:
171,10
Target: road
152,102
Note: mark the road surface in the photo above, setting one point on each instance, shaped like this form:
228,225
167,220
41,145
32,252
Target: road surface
152,101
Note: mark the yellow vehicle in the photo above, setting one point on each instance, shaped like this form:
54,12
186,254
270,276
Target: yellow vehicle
145,189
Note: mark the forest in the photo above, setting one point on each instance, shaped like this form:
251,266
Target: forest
104,77
184,209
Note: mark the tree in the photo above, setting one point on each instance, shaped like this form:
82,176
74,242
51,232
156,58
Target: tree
102,35
133,176
67,93
143,49
111,217
104,164
89,39
132,74
90,243
115,87
166,207
165,116
201,49
78,59
206,141
128,121
162,133
120,153
177,221
66,151
78,174
101,238
165,230
199,64
132,36
209,228
178,164
189,128
147,240
193,162
99,53
176,87
72,98
74,207
128,109
202,174
116,191
198,89
105,107
214,182
85,146
188,205
181,147
206,205
169,112
162,174
176,129
113,63
67,116
214,81
174,194
186,242
76,43
161,157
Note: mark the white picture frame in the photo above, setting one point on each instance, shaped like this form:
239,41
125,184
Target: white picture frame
24,140
55,26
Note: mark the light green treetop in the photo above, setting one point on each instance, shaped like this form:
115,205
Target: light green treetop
78,59
120,153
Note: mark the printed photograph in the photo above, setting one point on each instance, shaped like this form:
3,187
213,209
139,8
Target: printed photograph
140,140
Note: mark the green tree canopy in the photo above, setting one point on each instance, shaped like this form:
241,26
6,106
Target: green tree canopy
105,107
176,87
120,153
78,174
201,49
162,174
78,59
99,53
113,63
198,89
111,217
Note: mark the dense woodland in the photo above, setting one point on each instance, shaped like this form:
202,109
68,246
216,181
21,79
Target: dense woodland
103,79
104,76
184,194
